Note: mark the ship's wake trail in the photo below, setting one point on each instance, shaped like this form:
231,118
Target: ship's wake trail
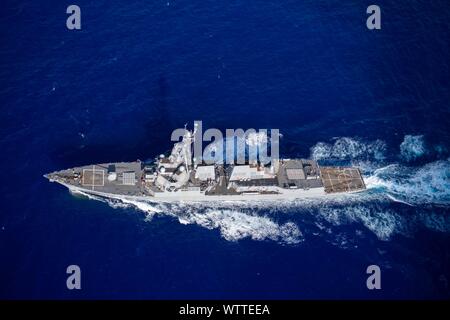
399,199
234,222
398,181
235,225
429,184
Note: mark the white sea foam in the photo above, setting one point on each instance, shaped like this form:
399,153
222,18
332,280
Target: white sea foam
411,185
383,223
236,225
260,220
427,184
399,201
346,148
412,147
233,225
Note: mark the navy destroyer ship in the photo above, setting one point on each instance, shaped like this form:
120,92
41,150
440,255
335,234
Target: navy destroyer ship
180,177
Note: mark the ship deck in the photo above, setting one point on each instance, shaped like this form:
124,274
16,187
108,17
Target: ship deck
95,178
129,179
341,179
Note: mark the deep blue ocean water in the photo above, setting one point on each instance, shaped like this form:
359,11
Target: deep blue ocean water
116,89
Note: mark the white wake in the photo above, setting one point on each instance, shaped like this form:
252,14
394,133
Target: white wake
407,186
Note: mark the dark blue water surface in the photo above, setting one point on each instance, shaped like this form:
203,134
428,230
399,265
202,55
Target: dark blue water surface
116,89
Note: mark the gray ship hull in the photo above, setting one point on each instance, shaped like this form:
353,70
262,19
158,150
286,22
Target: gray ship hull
128,181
